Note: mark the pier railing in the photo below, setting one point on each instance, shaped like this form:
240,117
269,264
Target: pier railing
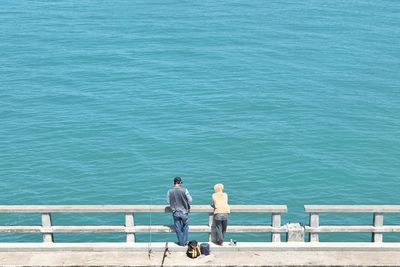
47,229
130,228
377,228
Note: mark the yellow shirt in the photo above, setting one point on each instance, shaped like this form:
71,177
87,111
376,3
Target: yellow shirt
220,203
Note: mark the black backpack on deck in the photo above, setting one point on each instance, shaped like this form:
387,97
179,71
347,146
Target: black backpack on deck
193,250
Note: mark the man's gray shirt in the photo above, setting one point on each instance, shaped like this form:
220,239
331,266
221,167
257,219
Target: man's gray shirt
178,199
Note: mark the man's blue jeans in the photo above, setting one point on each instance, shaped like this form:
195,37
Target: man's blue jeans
181,223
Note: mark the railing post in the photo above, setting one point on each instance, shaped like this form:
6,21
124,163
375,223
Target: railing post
129,223
46,224
314,223
276,222
378,222
210,224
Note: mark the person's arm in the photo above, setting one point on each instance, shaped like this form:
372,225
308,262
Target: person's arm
189,197
168,197
212,202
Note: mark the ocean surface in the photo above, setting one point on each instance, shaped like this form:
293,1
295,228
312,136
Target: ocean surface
284,102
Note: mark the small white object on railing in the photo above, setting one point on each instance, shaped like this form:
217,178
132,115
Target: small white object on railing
295,232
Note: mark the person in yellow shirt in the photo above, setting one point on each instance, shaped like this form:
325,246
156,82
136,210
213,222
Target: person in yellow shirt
219,202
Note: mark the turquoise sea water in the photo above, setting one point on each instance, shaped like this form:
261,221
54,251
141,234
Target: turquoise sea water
285,102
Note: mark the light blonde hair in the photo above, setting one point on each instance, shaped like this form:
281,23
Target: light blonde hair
218,187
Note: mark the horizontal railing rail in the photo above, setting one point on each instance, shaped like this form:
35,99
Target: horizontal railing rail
47,229
132,208
377,228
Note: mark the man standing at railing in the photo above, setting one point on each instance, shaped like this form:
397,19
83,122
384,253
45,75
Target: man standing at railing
178,199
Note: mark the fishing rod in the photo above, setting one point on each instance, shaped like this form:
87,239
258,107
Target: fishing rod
166,249
149,246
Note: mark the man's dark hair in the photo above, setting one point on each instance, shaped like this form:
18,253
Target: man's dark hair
177,180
